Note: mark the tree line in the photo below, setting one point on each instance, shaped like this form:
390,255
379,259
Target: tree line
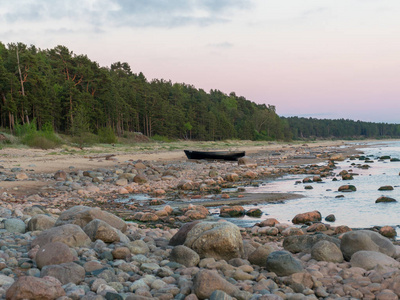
73,94
55,88
306,128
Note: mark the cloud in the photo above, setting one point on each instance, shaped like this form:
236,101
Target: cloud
123,13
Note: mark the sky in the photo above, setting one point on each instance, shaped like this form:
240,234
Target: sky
324,59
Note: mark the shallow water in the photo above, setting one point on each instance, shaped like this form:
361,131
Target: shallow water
356,209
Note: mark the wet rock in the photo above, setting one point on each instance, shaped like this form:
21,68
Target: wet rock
29,287
232,211
70,234
254,212
53,254
354,241
82,215
221,240
270,222
282,263
326,251
330,218
185,256
386,188
385,199
388,231
313,216
347,188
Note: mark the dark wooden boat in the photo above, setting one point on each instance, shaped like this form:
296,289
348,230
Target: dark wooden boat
223,155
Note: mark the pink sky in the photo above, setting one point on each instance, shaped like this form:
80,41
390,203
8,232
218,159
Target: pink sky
324,59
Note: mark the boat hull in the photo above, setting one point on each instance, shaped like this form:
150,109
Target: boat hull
215,155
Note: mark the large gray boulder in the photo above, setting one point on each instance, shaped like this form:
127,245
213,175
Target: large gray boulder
82,215
368,260
354,241
185,256
304,243
282,263
220,240
71,235
326,251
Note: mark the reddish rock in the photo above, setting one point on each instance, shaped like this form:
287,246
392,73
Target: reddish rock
29,287
100,230
145,217
232,211
185,185
313,216
347,188
53,254
65,273
317,227
342,229
270,222
60,175
121,253
388,231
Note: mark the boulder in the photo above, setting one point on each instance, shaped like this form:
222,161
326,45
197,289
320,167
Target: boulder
354,241
100,230
312,216
368,260
282,263
388,231
180,237
220,240
30,287
304,243
185,256
82,215
65,273
326,251
385,199
259,256
70,234
270,222
386,188
138,247
347,188
15,225
53,254
231,211
206,282
41,222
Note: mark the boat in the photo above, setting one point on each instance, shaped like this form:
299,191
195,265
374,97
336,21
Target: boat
222,155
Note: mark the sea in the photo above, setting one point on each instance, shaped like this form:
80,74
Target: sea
354,209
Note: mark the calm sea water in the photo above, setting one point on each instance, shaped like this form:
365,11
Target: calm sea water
356,209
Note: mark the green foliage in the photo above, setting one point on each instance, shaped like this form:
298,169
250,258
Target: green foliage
107,136
160,138
42,139
84,139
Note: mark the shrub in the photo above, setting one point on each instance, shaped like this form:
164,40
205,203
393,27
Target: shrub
160,138
107,136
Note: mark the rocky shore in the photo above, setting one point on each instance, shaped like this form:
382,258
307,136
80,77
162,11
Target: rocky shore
90,234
